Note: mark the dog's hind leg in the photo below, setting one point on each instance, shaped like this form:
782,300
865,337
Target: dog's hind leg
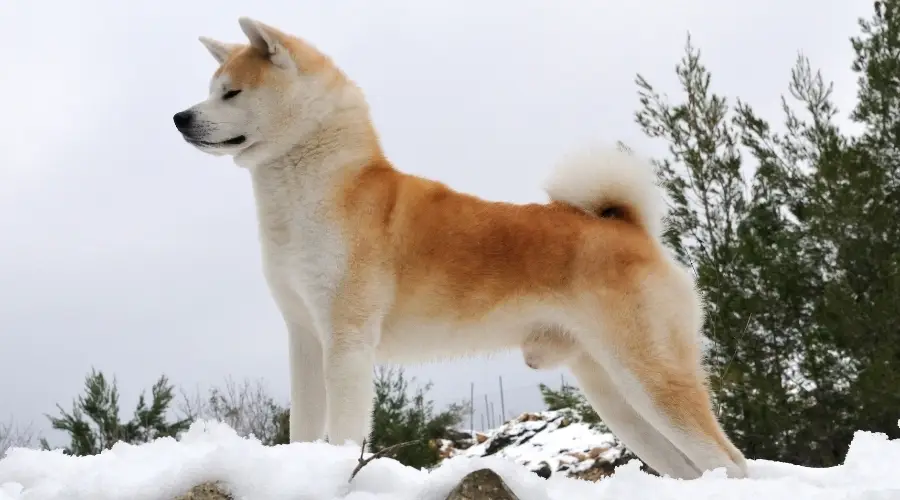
628,425
677,404
647,339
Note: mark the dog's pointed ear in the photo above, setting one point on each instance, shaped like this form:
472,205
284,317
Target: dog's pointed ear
219,50
267,40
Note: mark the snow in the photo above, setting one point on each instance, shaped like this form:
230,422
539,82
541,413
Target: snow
210,451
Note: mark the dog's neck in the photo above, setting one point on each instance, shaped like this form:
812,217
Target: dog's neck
304,178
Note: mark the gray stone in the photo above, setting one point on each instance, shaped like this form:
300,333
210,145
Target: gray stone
207,491
483,484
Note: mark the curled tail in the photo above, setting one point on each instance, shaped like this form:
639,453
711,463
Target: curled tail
607,182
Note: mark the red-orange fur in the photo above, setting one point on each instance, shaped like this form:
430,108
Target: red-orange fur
479,254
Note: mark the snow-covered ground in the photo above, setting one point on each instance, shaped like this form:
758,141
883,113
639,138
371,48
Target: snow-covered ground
212,451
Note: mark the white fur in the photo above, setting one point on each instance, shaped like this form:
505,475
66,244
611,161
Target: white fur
596,177
261,38
629,425
304,260
219,50
303,252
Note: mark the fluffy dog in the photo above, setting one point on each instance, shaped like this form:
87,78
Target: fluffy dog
369,264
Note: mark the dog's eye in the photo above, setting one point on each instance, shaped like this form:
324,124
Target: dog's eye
230,94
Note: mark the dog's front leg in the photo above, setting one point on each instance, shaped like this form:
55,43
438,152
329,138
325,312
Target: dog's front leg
349,366
307,420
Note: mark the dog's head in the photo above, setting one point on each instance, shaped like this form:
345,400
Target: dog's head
265,95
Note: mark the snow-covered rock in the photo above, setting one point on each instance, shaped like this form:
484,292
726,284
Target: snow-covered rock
548,443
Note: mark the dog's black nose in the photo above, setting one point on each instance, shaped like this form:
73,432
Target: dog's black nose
183,119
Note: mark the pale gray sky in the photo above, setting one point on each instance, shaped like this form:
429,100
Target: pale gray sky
123,248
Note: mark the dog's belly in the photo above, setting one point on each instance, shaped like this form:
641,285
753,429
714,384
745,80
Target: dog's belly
431,341
418,339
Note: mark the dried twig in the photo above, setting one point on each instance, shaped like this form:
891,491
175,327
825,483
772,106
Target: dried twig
379,454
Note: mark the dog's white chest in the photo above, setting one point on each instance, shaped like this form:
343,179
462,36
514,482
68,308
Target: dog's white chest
303,252
312,257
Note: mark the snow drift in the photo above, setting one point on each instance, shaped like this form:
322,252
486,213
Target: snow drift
212,451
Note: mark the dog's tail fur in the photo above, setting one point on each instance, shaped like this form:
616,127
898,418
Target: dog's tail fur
608,182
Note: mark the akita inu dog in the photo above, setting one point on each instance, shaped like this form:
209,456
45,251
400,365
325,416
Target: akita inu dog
369,264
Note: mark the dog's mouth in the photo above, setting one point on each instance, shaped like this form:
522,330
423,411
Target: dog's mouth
234,141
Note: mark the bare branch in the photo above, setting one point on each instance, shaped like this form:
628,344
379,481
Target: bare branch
14,436
245,406
379,454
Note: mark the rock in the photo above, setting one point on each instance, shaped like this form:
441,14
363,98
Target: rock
483,484
457,435
596,472
206,491
498,443
601,468
461,440
584,450
544,470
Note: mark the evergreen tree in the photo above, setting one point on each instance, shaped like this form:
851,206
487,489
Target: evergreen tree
799,259
569,397
281,422
715,214
857,202
787,264
401,415
94,424
843,195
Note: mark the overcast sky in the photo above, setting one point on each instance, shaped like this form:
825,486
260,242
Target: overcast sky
125,249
